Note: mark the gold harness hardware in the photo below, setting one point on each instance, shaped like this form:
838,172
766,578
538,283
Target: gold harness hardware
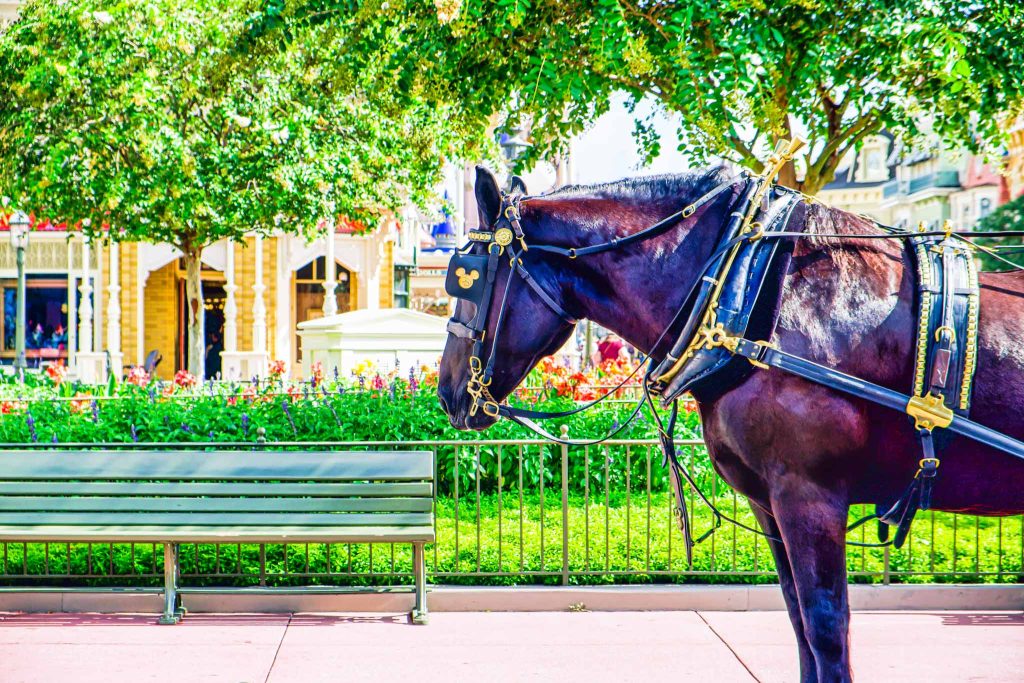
929,412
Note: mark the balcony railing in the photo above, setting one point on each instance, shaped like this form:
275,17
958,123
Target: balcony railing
900,188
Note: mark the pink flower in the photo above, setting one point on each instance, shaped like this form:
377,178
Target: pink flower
137,376
278,368
185,379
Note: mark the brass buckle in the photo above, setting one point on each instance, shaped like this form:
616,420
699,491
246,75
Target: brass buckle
929,412
763,345
938,333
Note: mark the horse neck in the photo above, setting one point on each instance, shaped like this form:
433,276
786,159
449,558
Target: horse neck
635,291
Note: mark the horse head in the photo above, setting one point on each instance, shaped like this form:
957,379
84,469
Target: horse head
518,301
529,328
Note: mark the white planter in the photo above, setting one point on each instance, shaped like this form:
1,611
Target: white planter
385,336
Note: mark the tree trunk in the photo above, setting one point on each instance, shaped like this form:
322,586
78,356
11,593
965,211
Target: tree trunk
194,309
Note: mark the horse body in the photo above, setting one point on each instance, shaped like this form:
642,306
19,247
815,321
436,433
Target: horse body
801,452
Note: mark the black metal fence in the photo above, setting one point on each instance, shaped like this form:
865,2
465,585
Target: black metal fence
513,512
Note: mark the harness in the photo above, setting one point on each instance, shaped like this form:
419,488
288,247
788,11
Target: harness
733,303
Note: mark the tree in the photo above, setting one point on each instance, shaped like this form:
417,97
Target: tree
739,75
154,118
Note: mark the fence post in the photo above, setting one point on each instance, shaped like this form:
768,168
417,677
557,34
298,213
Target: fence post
885,567
565,507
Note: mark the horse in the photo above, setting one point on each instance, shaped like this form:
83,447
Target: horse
800,452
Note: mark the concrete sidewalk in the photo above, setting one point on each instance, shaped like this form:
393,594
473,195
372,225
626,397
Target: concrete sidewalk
541,646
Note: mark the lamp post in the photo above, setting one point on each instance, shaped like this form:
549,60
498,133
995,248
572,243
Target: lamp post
514,144
19,241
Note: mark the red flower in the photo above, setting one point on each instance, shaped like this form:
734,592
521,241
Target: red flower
185,379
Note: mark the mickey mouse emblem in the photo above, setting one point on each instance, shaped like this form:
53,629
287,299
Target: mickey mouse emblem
466,280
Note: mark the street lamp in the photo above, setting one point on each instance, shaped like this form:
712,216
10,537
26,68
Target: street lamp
19,242
514,144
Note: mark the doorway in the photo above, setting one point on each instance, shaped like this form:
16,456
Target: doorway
213,322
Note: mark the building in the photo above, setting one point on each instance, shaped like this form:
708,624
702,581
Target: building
860,180
86,300
982,189
1015,159
905,187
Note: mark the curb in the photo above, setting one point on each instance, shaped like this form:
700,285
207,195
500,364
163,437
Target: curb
531,599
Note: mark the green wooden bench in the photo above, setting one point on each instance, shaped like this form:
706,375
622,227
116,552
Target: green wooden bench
189,496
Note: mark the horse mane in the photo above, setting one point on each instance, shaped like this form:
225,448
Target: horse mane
674,187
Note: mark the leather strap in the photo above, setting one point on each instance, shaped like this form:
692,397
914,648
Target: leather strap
760,352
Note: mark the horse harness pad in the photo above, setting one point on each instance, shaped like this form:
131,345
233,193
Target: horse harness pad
945,355
751,285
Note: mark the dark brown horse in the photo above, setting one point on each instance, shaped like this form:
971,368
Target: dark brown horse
801,453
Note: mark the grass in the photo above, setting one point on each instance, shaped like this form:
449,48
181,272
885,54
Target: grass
628,538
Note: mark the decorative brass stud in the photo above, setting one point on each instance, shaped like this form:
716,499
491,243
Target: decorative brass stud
466,280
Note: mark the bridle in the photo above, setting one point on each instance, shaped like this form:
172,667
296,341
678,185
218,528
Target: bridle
472,277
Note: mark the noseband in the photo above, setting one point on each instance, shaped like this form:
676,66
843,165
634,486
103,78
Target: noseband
472,277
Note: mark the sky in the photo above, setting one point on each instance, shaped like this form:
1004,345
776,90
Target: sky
607,150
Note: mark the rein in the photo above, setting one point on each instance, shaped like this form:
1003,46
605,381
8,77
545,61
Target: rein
472,277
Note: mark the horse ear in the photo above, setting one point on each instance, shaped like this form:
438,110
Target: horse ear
488,196
518,186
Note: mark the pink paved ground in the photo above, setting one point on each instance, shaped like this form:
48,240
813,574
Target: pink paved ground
590,646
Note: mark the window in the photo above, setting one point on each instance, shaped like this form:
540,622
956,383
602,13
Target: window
309,293
984,207
400,289
46,317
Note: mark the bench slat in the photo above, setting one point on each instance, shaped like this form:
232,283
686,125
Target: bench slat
201,534
180,504
211,466
171,519
233,489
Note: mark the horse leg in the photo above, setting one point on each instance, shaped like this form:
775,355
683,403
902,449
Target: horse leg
808,668
812,521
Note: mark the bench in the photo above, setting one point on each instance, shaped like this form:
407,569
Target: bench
191,496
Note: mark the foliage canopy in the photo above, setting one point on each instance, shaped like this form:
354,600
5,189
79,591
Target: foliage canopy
736,75
156,118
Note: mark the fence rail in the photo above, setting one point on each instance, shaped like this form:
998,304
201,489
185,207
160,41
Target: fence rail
529,511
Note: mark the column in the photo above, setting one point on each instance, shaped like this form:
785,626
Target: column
230,307
72,346
231,360
259,306
85,310
114,309
331,273
92,365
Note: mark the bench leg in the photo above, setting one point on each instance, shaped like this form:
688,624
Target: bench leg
172,601
419,613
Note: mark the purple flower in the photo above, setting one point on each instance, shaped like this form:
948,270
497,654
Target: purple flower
95,411
288,414
337,375
210,435
152,394
54,439
185,428
245,424
135,434
31,422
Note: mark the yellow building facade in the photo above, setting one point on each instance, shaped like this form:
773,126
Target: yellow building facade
102,306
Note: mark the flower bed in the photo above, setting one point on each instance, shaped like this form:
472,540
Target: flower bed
370,406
